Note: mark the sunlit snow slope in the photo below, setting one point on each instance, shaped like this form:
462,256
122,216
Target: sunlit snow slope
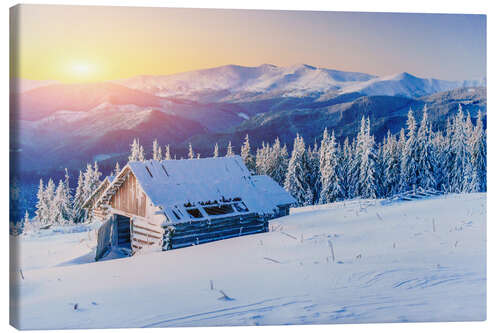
412,261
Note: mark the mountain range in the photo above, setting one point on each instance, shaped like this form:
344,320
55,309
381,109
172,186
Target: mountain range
55,125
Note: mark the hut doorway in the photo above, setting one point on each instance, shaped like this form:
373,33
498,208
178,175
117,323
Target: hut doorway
123,228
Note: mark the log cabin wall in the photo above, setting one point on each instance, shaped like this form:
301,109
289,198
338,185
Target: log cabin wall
130,198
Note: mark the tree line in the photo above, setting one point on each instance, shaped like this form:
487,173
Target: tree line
452,161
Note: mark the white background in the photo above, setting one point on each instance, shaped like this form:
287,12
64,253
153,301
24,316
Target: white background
423,6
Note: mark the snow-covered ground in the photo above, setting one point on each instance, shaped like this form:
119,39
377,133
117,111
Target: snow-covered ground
411,261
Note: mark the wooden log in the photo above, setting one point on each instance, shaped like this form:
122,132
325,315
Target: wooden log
141,241
222,234
193,226
147,235
202,241
159,231
203,232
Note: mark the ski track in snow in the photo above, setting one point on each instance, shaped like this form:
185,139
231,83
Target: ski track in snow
390,266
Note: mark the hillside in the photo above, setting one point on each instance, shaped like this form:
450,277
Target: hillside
348,262
344,115
43,101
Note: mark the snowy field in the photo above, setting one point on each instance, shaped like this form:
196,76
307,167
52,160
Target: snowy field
352,262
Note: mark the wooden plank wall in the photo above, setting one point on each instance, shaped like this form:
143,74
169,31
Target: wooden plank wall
130,198
145,234
104,238
187,234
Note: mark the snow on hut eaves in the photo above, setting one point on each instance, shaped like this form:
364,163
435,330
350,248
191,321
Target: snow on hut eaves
99,190
174,184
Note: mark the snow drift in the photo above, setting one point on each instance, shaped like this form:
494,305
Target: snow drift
348,262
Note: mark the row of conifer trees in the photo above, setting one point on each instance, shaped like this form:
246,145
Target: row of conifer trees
453,160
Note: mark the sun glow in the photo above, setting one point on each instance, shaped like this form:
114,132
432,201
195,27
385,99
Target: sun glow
81,71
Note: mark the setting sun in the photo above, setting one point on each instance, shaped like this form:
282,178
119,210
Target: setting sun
81,70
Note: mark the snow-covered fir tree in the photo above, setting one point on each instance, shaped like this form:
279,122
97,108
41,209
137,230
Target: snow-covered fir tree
135,151
282,165
79,198
470,180
329,169
354,166
246,155
379,170
190,152
426,160
91,180
67,203
42,205
117,169
296,182
478,156
364,156
447,158
460,174
57,207
272,161
28,225
88,182
229,150
313,171
216,150
167,153
409,158
142,156
277,162
49,194
262,159
344,169
96,177
440,146
157,154
391,164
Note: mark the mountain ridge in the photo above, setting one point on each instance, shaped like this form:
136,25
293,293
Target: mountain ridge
221,83
54,122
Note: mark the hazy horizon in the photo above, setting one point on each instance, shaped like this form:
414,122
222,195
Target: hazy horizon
233,64
73,44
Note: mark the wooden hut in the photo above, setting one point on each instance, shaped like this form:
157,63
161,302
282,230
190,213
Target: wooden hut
169,204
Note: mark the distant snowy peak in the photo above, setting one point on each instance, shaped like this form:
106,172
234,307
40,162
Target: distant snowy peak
233,82
408,85
232,78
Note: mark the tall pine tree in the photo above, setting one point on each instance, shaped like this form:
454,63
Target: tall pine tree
409,158
296,182
329,169
246,155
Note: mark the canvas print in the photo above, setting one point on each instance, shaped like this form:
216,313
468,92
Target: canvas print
218,167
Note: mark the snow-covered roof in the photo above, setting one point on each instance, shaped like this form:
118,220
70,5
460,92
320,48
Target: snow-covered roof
174,183
272,191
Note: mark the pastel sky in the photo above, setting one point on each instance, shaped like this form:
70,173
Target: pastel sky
84,43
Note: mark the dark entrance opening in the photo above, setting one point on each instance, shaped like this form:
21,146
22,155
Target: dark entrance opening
123,228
